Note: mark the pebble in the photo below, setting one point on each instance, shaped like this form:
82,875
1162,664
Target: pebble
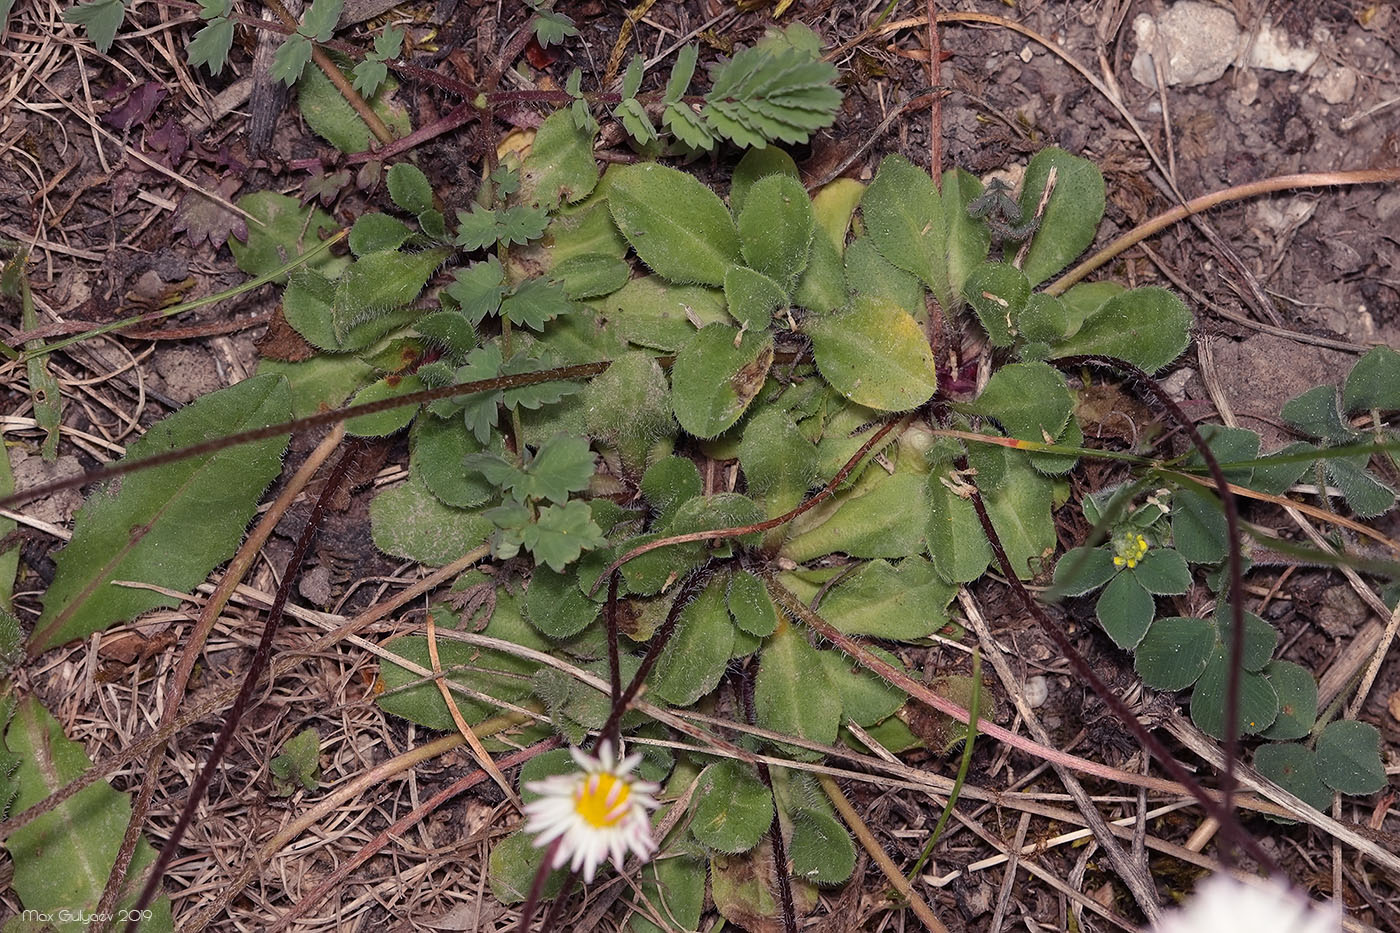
1200,41
1036,690
1338,85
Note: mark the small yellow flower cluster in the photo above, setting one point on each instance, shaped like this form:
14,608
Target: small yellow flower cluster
1130,552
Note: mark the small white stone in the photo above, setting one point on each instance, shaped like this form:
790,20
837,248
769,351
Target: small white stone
1338,85
1271,49
1036,690
1198,40
1026,53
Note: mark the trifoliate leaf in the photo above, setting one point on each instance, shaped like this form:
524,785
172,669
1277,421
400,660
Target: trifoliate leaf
564,464
552,28
478,289
534,302
562,533
210,46
521,224
291,59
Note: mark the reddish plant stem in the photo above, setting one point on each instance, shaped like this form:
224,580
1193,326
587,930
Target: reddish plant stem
1234,563
935,78
614,667
402,825
1217,809
738,531
532,899
261,656
321,419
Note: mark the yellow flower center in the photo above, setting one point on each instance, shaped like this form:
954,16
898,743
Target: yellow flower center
601,800
1129,550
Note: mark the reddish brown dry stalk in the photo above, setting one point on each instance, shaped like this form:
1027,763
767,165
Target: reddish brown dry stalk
739,531
261,656
402,825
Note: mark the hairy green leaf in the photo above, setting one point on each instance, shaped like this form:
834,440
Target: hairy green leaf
792,693
876,355
676,225
716,375
1071,216
62,858
169,525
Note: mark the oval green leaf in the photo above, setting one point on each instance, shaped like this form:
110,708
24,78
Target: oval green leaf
716,375
676,225
876,355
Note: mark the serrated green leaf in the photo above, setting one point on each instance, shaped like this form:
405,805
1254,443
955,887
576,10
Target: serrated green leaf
1349,757
478,288
210,46
876,355
998,292
776,227
1275,478
564,464
1149,327
534,302
676,225
169,525
562,533
320,18
1174,652
792,693
1297,700
1071,217
1258,702
101,19
904,216
560,167
1294,768
1125,610
409,188
369,75
520,224
733,808
409,521
477,228
62,858
716,375
552,28
695,658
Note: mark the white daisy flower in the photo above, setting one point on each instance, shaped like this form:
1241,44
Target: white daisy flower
1222,904
599,812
